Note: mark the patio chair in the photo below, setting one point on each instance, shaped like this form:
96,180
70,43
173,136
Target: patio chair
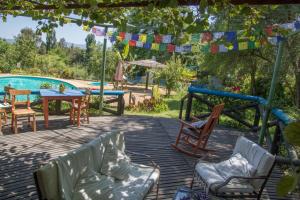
5,105
244,174
84,107
192,137
24,109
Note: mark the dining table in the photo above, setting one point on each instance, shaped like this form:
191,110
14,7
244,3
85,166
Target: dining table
54,94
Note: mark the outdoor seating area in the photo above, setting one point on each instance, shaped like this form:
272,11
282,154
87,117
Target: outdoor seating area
149,99
145,135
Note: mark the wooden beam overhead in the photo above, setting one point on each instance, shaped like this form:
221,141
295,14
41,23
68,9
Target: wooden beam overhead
144,3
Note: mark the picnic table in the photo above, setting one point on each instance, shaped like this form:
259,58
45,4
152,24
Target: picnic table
53,94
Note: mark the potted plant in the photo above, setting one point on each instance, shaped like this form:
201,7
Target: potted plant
62,88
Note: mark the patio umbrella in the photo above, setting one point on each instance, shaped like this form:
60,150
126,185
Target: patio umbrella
149,64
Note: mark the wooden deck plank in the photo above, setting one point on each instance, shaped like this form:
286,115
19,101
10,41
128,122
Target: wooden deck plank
21,154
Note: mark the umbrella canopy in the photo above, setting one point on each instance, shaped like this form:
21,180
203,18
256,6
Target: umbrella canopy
147,63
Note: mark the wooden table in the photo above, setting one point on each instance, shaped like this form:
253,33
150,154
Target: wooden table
53,94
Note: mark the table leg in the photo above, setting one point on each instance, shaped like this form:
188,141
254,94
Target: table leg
46,111
78,111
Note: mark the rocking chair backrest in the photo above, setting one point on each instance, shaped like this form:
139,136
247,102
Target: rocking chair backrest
211,122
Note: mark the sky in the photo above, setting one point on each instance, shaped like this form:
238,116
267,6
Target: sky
71,32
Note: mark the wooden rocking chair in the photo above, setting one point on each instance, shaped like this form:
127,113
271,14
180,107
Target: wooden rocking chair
193,137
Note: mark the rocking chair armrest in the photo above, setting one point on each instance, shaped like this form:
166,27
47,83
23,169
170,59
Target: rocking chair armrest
188,125
238,177
145,155
195,118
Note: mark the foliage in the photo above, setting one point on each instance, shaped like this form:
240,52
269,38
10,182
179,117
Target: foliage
46,85
150,105
289,182
174,74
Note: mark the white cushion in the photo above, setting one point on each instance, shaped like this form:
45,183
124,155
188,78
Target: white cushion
199,124
211,176
237,165
257,156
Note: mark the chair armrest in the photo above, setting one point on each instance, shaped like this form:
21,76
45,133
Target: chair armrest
195,118
188,125
239,177
145,155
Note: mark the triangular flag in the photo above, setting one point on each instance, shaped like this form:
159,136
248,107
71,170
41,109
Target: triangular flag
112,39
195,49
135,37
125,42
243,45
195,38
128,36
230,36
171,48
119,38
186,48
297,25
143,38
214,48
155,46
167,39
257,44
162,47
139,44
122,35
150,38
147,45
218,35
158,39
132,43
223,48
178,49
251,45
205,48
269,30
206,37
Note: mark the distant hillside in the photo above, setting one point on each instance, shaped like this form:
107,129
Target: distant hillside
69,44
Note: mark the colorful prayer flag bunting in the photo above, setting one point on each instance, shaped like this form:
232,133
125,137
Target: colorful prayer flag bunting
218,35
128,36
150,38
230,36
195,38
186,48
139,44
178,49
135,37
122,35
223,48
147,45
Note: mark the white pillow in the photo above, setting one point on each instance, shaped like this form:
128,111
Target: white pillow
199,124
115,163
237,165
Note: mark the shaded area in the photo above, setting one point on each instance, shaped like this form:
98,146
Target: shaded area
21,154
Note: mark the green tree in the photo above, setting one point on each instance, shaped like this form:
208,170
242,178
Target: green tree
50,40
26,46
90,43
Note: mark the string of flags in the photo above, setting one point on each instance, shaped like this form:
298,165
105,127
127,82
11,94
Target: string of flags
206,42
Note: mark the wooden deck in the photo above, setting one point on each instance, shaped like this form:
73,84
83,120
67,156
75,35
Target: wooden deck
21,154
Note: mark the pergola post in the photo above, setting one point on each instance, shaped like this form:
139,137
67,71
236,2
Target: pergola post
268,106
103,65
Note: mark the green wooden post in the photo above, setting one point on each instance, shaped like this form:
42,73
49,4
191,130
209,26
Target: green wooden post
268,106
102,78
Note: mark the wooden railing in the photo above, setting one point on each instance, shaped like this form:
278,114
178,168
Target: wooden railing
275,130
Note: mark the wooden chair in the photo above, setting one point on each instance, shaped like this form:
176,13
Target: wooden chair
84,107
193,137
6,105
24,109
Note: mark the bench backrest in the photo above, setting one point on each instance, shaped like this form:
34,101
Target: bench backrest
257,156
75,163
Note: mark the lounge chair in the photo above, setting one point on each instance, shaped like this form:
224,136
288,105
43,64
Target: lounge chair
192,137
244,174
97,170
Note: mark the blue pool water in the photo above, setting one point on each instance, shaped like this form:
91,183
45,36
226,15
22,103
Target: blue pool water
30,83
97,83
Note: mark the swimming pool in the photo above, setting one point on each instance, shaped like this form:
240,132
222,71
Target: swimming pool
98,83
30,83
